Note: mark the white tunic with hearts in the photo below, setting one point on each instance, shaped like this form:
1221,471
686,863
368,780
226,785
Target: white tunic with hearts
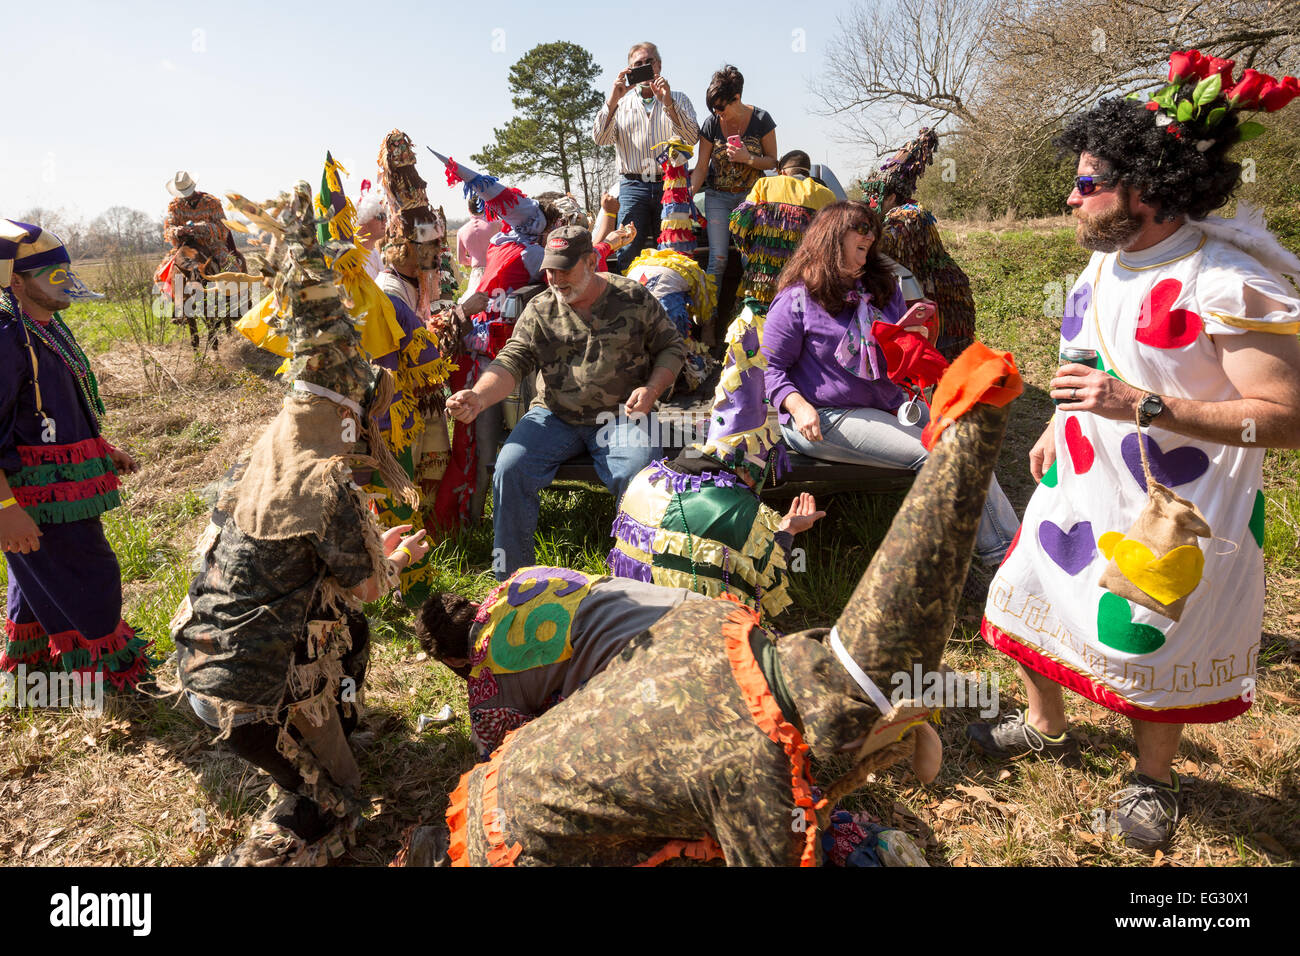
1150,317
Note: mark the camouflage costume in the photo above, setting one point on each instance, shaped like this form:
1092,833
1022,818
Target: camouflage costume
270,636
592,367
694,741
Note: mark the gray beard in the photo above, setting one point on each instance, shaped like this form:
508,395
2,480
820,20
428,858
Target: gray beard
1109,232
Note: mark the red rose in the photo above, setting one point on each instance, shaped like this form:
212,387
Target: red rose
1153,105
1245,94
1186,66
1215,64
1279,93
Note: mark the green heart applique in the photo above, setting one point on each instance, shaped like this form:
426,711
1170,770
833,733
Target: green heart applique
1115,627
1257,519
1049,476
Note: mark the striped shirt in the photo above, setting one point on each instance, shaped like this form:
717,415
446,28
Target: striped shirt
635,131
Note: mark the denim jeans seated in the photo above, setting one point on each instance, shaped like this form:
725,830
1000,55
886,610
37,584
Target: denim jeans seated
529,459
872,436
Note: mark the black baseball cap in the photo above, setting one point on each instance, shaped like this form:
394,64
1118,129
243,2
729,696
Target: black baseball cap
565,246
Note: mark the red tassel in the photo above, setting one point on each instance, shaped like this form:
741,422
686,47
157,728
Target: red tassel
453,172
23,632
29,496
63,642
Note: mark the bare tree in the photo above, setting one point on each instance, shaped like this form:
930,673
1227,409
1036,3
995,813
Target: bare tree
905,63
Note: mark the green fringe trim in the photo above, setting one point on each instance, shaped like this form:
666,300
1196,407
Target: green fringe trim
61,512
41,475
23,649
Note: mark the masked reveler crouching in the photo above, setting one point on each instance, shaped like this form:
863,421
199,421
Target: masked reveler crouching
272,645
694,741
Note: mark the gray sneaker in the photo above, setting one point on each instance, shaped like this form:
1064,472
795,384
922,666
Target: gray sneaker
1014,736
1145,813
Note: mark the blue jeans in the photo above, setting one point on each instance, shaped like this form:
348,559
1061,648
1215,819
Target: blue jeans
872,436
718,207
529,459
642,203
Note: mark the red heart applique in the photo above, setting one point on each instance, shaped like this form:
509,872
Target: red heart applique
1162,327
1081,451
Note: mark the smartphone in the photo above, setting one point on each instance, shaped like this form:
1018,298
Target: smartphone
640,74
922,313
735,142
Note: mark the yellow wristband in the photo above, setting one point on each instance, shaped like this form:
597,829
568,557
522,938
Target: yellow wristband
406,551
6,503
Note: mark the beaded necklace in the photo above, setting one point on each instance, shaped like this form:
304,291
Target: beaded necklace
65,347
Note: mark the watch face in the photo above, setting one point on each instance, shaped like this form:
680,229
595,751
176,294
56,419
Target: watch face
1151,407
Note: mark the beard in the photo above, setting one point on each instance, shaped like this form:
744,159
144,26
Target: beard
1109,231
576,290
42,299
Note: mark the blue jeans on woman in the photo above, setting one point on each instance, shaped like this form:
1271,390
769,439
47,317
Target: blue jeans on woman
872,436
538,445
718,207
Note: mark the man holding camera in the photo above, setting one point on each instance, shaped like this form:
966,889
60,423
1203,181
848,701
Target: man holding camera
604,347
635,125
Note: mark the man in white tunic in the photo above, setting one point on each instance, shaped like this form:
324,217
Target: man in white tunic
1194,325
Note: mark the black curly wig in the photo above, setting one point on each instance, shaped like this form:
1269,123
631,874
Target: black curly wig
1161,162
443,623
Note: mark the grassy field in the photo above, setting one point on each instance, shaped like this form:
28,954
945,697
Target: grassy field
143,784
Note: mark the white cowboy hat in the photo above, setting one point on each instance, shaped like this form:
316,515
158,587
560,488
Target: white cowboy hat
182,184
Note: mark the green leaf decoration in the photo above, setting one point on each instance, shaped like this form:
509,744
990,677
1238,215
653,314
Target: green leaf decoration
1133,96
1207,91
1216,115
1185,111
1165,99
1250,130
1168,90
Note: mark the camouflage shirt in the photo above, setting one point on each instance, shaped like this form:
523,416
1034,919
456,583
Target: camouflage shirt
592,367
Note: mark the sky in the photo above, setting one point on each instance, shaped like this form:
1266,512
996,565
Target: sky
108,101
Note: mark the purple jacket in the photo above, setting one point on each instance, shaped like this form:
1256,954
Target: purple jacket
799,340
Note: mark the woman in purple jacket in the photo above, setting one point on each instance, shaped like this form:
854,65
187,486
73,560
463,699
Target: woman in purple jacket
827,378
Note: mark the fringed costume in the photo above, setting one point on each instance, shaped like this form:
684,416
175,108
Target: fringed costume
64,605
911,238
271,642
768,226
695,522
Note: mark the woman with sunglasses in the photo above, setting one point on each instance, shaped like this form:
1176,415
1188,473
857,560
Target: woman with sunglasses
824,377
737,143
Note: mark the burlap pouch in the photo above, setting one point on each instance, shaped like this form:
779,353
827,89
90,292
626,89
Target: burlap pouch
1158,563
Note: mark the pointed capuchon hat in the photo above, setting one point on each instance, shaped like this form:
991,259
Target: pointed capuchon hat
741,432
905,605
509,204
898,174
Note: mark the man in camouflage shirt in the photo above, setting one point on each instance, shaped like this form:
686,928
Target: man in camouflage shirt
603,345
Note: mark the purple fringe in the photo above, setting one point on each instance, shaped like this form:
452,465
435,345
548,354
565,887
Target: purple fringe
640,536
625,566
679,483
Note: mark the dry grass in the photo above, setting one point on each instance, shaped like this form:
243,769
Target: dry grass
143,784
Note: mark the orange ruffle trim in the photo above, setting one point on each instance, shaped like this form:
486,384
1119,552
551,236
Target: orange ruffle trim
767,715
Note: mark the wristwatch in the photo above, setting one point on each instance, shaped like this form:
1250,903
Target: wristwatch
1150,408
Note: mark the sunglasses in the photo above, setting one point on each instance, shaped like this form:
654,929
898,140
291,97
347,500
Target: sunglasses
1087,185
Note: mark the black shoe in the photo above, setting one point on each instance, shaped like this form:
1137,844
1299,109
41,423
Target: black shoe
1145,813
1013,736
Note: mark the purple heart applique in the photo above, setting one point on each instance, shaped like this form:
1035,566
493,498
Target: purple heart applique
1171,468
1075,309
1073,549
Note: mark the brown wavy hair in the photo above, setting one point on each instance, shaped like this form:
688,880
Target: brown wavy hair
819,264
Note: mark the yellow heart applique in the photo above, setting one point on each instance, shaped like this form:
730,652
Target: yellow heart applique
1167,578
1106,543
